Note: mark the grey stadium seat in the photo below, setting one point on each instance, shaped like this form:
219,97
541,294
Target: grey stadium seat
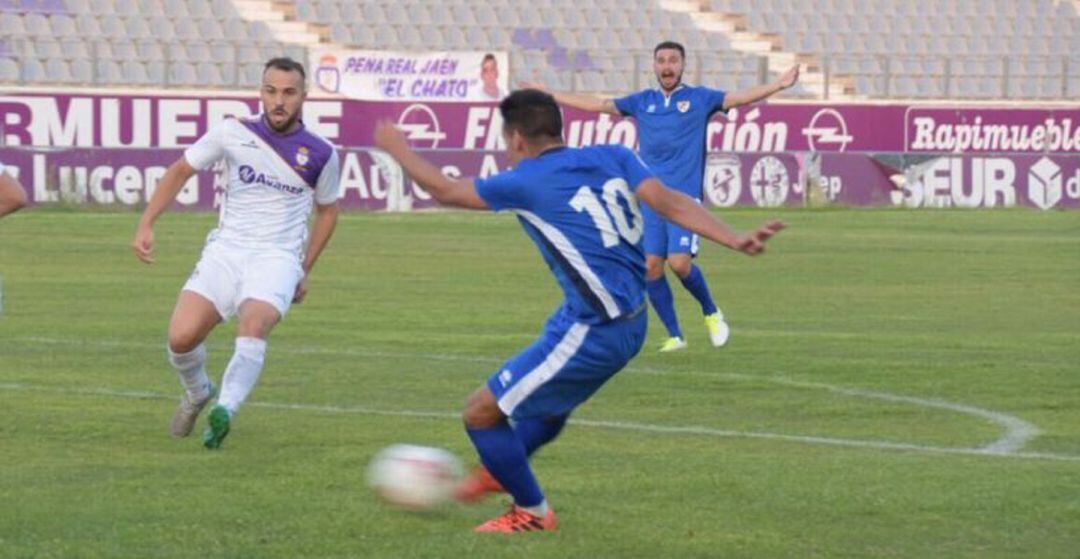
107,71
182,73
209,74
135,72
82,71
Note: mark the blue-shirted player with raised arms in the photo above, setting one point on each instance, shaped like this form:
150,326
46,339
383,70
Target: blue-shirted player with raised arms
672,122
580,207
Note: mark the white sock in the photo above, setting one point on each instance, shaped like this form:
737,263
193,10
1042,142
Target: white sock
242,373
540,510
191,367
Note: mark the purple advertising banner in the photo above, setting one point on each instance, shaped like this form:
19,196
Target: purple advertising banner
149,121
765,180
111,149
371,180
127,177
971,130
945,181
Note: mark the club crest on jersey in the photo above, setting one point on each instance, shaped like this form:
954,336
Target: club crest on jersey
302,156
683,106
651,109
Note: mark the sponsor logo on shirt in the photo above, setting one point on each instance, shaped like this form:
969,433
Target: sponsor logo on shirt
505,377
248,175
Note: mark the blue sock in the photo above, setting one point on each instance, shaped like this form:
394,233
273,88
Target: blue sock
504,456
664,303
696,285
537,432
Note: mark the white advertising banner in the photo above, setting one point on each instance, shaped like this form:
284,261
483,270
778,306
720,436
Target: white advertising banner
409,76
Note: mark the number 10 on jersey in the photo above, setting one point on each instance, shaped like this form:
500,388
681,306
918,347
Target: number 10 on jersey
614,222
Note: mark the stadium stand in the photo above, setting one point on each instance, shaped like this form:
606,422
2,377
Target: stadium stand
963,49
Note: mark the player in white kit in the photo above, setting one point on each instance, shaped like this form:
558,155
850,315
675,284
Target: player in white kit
12,195
254,264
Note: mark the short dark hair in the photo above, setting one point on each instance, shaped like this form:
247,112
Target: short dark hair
488,56
533,113
670,45
286,64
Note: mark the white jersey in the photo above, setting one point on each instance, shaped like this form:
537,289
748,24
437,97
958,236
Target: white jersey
271,180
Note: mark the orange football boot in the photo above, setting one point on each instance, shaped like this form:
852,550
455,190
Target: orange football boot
518,519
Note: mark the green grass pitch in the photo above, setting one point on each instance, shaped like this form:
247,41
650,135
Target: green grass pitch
875,358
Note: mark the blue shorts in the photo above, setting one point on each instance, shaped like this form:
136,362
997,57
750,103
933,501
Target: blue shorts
566,365
663,237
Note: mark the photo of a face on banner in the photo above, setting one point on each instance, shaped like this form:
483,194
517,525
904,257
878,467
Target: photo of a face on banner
489,75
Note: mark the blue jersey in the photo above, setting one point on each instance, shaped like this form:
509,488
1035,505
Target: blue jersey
671,132
579,207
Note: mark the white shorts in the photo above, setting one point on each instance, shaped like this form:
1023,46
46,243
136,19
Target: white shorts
229,276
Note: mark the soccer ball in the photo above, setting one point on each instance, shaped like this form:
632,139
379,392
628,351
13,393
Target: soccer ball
416,477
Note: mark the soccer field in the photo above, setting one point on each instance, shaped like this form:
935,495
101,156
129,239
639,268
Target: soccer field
898,384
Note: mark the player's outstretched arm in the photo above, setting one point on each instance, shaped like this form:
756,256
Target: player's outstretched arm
447,191
577,100
168,187
12,196
757,93
686,211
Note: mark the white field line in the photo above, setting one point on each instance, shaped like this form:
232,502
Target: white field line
1017,432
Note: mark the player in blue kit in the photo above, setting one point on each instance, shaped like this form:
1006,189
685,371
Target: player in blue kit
580,207
672,122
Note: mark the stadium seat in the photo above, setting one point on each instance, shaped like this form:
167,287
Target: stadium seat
135,72
77,6
251,75
182,74
162,28
341,33
197,51
209,74
210,30
107,71
124,50
57,70
364,36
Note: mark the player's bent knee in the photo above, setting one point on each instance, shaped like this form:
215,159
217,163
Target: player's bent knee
183,341
254,328
481,410
654,268
680,266
256,319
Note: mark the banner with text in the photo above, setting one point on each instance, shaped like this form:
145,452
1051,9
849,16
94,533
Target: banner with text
370,180
101,148
410,76
147,121
943,181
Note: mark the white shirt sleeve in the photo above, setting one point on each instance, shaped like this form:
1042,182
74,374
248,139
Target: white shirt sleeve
209,149
1,167
328,185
